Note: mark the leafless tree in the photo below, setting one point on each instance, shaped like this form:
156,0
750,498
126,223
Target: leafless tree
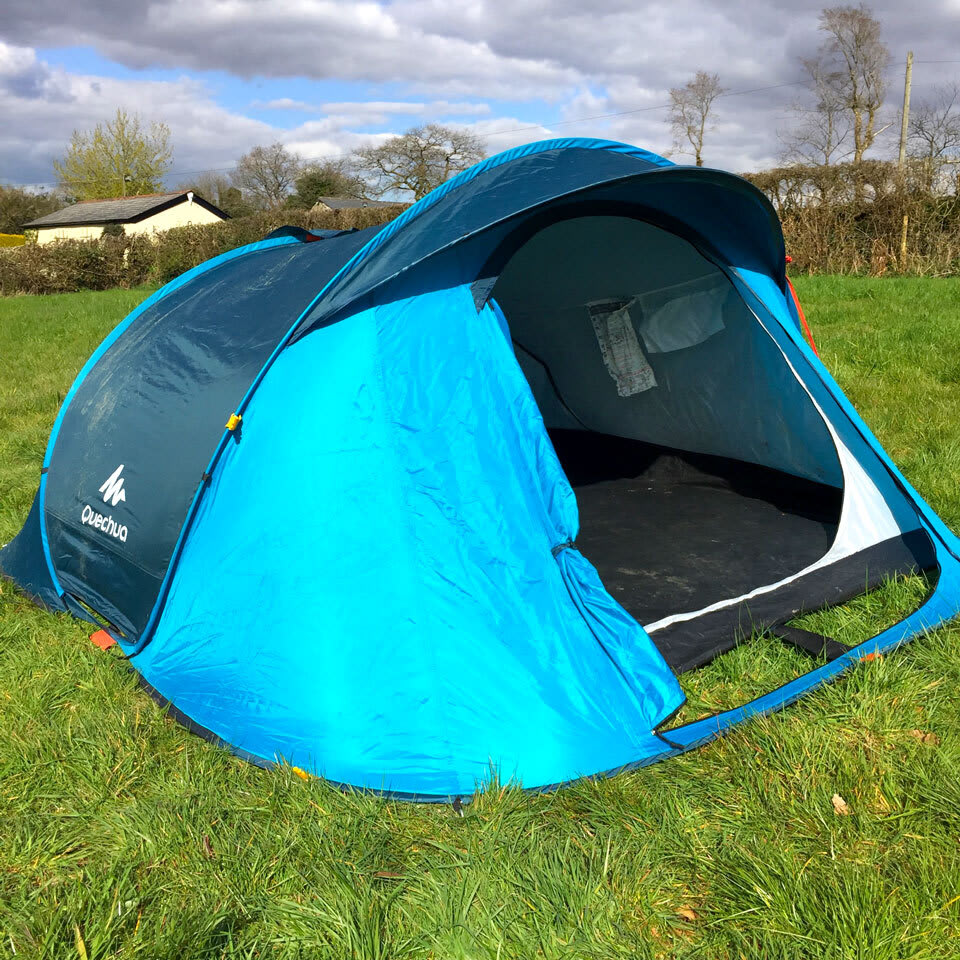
210,185
823,132
690,107
934,136
220,191
855,60
267,174
418,160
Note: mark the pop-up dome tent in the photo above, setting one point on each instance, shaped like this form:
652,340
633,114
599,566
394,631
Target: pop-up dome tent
492,477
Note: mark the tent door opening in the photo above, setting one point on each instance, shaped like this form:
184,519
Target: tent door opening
671,532
701,467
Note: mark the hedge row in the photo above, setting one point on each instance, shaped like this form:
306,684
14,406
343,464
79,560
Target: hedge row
835,219
847,219
68,265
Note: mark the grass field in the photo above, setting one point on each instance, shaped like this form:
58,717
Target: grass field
121,835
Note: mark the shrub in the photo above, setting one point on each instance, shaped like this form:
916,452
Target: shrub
846,219
125,261
835,220
12,239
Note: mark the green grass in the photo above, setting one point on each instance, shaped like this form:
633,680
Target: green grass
121,835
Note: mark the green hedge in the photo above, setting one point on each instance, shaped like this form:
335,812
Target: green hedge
68,265
835,220
850,219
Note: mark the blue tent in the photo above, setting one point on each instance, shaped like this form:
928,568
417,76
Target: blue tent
492,477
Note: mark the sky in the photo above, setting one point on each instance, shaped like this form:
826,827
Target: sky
325,76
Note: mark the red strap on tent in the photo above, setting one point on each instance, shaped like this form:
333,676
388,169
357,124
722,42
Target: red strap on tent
803,319
102,639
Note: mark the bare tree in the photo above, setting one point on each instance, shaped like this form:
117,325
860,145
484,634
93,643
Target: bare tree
690,107
209,185
822,135
418,160
934,136
855,60
267,174
219,190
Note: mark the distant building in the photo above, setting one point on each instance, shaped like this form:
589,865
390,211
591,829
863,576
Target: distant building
353,203
147,214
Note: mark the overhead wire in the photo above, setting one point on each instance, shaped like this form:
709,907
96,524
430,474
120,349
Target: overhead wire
546,124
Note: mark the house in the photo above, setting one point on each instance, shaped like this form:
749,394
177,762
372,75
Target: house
327,204
147,214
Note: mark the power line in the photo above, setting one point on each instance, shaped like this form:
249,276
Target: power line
492,133
625,113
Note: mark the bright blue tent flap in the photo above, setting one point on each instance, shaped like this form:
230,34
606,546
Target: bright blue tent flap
387,607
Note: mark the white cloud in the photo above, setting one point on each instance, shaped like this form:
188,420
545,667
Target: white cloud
285,103
44,105
377,112
435,108
312,38
502,133
467,61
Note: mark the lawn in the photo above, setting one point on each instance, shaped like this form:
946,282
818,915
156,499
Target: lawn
122,835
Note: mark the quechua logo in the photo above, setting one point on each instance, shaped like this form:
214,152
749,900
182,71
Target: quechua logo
112,488
113,493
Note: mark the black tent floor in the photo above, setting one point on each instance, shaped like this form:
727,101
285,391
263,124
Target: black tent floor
672,533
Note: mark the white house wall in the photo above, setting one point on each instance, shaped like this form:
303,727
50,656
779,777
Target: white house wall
182,215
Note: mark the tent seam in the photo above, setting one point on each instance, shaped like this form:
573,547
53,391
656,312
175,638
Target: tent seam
923,510
102,349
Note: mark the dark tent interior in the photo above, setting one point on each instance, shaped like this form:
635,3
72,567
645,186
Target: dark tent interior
702,468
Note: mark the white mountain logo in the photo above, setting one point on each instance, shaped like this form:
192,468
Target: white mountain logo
112,488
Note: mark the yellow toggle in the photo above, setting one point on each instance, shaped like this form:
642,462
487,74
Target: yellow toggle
234,421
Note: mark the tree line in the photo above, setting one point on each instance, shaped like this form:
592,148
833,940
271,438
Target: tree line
126,157
842,118
847,206
837,126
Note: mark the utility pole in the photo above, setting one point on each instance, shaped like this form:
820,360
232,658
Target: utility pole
905,119
904,126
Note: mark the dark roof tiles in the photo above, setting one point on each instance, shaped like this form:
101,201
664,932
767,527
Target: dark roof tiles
117,210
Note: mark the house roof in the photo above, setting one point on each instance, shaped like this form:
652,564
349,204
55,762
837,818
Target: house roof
352,203
118,210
